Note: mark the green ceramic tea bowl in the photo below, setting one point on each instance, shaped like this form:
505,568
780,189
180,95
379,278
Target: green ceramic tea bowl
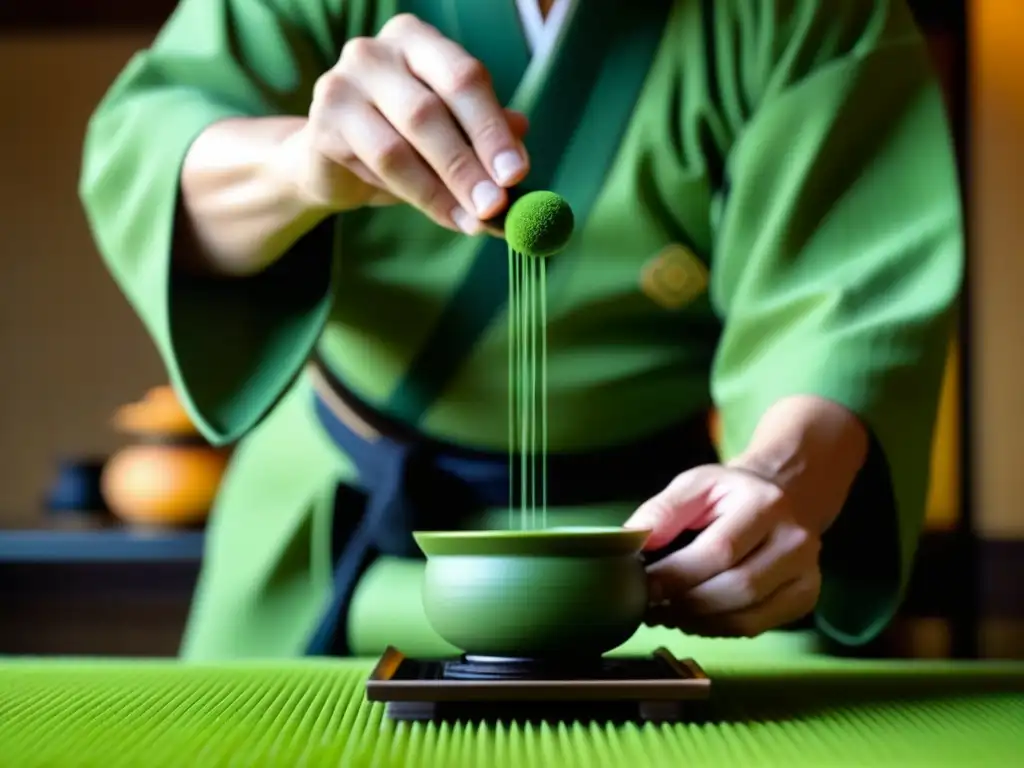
540,594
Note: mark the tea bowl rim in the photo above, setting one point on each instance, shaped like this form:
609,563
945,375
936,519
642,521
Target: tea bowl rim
574,541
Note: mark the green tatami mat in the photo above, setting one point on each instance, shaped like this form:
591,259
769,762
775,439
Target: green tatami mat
313,714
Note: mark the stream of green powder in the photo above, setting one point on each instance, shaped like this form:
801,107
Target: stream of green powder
528,386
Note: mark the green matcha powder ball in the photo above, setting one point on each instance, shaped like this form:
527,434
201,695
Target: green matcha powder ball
539,224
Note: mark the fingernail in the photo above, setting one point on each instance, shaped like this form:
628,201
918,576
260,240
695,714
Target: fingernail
464,221
507,166
485,196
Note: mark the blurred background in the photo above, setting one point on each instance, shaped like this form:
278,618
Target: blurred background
89,438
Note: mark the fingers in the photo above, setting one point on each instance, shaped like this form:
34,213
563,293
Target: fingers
423,120
790,602
414,117
682,505
751,568
436,169
465,87
743,519
788,552
336,147
354,134
778,583
441,100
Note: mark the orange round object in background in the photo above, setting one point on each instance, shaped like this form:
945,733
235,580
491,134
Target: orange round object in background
163,485
169,476
160,414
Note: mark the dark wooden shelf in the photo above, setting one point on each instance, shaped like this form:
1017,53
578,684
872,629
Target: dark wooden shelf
112,545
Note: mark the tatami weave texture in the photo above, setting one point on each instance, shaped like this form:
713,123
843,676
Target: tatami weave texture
314,714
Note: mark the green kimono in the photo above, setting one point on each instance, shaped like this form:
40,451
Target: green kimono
777,214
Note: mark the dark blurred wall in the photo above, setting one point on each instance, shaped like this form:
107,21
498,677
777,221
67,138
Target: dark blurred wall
70,349
997,168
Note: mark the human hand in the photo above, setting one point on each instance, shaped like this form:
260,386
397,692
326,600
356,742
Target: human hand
753,566
410,116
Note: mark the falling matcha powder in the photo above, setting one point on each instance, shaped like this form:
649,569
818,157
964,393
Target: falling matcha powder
538,225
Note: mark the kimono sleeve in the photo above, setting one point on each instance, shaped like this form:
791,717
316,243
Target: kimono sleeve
838,260
231,347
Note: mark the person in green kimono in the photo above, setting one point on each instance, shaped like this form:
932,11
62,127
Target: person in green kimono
294,197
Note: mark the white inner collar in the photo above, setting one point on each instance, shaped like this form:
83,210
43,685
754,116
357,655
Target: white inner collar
540,31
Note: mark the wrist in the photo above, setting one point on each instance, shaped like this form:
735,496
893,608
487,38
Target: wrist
810,448
292,209
242,205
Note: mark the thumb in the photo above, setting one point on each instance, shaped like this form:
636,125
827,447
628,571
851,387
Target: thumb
380,198
684,504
